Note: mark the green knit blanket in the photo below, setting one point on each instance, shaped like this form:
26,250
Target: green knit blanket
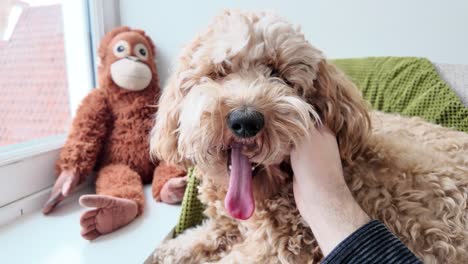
408,86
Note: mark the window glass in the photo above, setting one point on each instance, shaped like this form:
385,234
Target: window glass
34,100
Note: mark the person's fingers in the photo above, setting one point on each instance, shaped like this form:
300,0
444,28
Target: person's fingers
54,200
97,201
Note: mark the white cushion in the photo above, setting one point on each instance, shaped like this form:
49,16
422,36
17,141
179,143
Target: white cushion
456,75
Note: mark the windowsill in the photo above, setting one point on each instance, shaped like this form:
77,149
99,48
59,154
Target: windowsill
17,152
56,238
32,164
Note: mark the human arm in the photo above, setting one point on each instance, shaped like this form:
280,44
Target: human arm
345,233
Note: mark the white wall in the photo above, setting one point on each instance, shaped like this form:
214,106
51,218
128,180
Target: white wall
435,29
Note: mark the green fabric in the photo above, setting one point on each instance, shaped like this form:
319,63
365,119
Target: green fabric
409,86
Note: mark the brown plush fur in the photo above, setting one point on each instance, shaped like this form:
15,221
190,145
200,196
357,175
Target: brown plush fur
110,130
411,175
119,180
162,174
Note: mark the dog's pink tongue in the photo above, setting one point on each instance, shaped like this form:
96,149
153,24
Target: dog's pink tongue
239,200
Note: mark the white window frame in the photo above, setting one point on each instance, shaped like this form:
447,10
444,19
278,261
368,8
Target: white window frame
27,170
104,16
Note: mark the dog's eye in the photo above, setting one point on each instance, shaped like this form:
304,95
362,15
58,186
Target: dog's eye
220,71
288,83
274,72
215,75
221,74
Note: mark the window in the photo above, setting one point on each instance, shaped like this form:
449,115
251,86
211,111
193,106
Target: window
33,82
45,71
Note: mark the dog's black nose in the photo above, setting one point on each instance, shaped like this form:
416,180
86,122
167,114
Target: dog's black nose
245,122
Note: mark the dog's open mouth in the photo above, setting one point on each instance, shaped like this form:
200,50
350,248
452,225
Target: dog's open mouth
255,166
239,201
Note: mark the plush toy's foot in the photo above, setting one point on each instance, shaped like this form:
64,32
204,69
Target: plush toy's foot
110,214
173,190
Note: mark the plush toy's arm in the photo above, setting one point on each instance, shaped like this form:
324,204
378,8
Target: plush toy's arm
170,178
87,136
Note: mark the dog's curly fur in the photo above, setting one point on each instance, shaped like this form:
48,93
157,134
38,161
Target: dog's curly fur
411,175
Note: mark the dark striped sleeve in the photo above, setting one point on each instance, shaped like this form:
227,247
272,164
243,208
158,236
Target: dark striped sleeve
372,243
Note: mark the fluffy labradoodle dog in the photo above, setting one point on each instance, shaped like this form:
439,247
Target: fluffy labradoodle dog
244,93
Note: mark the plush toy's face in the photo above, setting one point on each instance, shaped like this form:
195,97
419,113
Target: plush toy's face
130,58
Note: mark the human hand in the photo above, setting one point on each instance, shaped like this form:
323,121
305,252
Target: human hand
64,185
320,191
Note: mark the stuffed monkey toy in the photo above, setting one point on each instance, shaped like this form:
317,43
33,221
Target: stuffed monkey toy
110,134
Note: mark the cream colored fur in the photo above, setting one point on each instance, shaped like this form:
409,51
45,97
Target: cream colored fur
410,174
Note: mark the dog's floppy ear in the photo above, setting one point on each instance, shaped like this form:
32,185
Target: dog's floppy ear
341,108
164,135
